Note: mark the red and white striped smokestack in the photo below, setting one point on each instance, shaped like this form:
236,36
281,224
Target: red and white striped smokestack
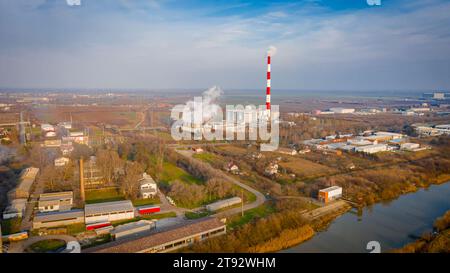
268,84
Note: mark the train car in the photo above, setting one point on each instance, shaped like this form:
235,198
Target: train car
15,237
149,209
95,226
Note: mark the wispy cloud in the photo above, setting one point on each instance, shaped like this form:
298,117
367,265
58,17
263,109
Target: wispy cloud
157,44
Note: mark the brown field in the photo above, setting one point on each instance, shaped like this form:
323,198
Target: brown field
305,168
9,117
113,115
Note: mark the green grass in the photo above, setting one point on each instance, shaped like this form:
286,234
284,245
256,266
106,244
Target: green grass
76,228
159,216
103,195
249,215
171,172
47,246
148,201
196,215
206,157
11,226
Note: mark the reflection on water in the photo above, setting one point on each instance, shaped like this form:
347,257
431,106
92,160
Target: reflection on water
393,224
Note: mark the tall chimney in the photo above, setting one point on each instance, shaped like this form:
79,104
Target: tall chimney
268,85
82,180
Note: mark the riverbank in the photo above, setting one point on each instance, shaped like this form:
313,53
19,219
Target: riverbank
393,224
435,242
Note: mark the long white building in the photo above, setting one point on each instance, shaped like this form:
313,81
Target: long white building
108,212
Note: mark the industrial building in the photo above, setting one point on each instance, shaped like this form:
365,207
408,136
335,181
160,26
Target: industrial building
286,151
371,149
340,110
223,203
168,240
132,229
147,186
27,178
108,212
330,194
57,219
57,201
409,146
16,209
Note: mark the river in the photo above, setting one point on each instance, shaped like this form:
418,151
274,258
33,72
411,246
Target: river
392,224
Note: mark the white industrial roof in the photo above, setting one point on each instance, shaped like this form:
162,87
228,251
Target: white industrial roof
108,207
55,195
331,189
58,215
132,225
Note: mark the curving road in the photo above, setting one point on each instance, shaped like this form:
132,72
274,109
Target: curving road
260,198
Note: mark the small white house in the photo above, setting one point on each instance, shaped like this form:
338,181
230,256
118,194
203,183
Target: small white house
231,167
147,186
197,150
61,161
409,146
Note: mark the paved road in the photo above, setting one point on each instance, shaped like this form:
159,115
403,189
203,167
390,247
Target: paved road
260,198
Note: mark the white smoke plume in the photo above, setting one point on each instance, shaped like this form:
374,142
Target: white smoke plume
210,108
272,51
6,153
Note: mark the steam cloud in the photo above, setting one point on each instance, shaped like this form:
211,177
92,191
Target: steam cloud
272,51
6,153
210,108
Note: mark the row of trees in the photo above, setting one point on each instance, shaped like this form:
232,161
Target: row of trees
279,230
193,195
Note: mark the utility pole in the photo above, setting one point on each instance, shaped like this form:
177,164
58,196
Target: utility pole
82,181
242,202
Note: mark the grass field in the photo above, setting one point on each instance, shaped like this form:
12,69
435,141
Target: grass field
46,246
148,201
249,215
103,195
206,157
11,226
306,169
171,172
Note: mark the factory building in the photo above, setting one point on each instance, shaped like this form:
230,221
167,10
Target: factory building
330,194
409,146
371,149
223,203
286,151
16,209
57,219
108,212
132,229
27,178
57,201
168,240
340,110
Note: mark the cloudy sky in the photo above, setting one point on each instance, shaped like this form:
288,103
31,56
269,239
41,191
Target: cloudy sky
322,44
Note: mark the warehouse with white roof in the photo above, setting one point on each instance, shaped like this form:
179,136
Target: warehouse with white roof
108,212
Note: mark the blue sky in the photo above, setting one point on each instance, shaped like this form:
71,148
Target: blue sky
154,44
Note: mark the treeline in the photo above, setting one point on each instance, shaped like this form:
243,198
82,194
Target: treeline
282,229
432,242
375,185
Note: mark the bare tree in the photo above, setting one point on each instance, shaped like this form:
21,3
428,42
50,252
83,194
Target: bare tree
129,181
